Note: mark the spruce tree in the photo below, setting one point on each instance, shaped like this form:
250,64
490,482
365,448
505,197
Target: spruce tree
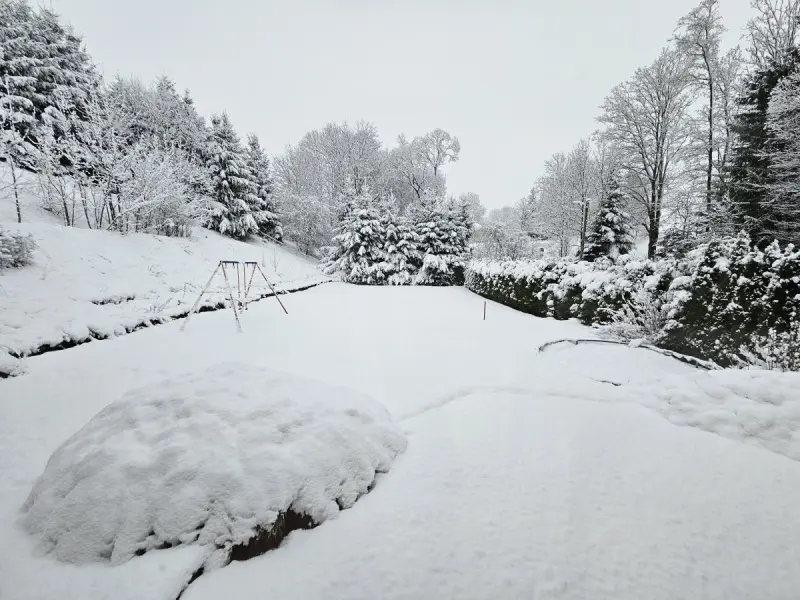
749,173
359,246
264,212
231,182
400,255
442,245
612,233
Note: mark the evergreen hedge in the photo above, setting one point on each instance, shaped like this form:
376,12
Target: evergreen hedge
723,300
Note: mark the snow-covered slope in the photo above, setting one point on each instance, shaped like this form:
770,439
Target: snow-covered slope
526,475
95,284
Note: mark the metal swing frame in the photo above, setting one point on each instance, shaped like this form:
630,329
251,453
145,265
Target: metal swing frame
245,273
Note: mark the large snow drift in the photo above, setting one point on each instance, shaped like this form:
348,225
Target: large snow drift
208,458
757,407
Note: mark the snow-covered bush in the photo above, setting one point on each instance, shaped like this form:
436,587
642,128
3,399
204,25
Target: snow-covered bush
776,351
727,301
736,295
213,458
562,288
643,316
155,198
16,250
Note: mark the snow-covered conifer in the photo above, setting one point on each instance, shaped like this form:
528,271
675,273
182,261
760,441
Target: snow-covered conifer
359,245
232,187
612,233
264,211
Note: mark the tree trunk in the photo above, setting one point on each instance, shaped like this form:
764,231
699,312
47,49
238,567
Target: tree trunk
584,226
85,206
16,192
710,165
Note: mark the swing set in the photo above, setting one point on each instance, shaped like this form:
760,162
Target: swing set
245,274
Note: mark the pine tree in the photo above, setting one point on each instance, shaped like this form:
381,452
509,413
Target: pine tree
612,233
232,185
442,245
400,255
264,212
749,175
359,245
42,65
20,66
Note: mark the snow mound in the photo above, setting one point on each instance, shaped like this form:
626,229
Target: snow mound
210,458
754,406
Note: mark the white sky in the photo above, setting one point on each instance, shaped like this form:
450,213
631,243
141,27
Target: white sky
514,80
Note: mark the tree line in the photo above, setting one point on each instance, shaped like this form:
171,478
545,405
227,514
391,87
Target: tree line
129,156
699,144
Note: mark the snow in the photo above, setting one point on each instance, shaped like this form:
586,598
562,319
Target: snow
513,496
208,458
527,474
757,407
87,284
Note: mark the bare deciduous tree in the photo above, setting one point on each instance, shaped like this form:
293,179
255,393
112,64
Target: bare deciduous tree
698,36
580,180
646,118
773,31
556,212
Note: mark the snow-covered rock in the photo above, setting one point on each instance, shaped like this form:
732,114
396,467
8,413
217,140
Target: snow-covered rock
208,458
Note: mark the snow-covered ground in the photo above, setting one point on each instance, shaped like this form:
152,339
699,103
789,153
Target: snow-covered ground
526,474
88,284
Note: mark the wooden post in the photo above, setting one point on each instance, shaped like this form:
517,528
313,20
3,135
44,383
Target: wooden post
484,310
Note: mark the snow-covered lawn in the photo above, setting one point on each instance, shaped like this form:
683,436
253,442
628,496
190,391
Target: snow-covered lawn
526,474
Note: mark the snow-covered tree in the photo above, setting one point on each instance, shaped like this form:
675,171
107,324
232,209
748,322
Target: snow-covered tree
611,233
358,250
438,148
646,118
232,187
400,254
443,232
783,155
772,32
698,36
264,212
580,172
154,197
557,215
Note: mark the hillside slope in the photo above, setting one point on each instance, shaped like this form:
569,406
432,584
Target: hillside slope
95,284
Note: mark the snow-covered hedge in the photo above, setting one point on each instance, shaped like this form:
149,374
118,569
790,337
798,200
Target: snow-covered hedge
212,458
727,301
16,250
736,300
564,289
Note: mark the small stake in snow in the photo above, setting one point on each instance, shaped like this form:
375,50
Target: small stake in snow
484,310
243,284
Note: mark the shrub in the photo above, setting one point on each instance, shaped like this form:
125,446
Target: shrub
727,301
16,250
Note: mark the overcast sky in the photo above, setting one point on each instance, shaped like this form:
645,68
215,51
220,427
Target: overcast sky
515,81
